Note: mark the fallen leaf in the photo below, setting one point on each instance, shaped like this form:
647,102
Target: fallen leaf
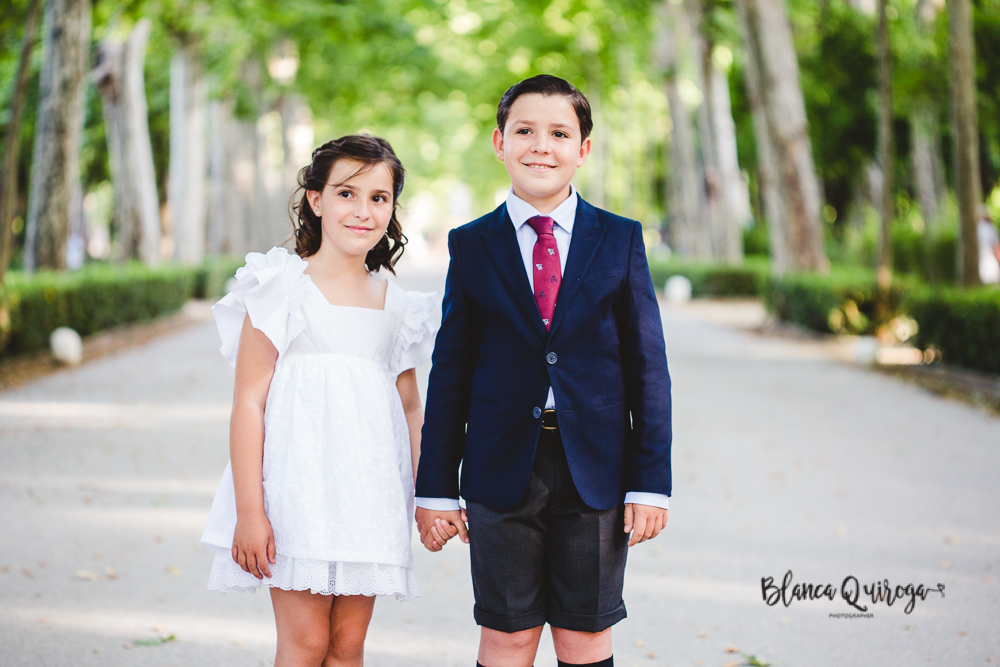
110,572
99,555
238,642
157,628
945,565
951,539
155,641
732,649
639,643
85,575
652,655
407,619
991,659
27,572
961,633
173,569
126,646
702,634
910,627
988,579
730,664
157,538
42,619
87,500
4,569
755,661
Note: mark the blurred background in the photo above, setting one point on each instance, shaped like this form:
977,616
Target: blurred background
753,139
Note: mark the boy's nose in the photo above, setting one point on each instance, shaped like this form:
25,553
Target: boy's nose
541,144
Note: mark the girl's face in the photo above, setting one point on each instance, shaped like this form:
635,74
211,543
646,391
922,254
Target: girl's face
355,207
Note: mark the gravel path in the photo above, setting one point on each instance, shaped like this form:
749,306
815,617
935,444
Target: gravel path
784,460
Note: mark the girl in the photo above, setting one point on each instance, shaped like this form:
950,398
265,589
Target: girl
317,501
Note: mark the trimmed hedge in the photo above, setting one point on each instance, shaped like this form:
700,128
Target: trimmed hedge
210,279
95,298
964,325
846,301
719,280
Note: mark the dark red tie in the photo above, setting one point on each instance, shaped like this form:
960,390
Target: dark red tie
546,273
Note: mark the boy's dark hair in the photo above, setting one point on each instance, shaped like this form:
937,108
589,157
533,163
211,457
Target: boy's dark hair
369,151
546,84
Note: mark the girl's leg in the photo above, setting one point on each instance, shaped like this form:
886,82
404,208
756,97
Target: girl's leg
303,621
348,621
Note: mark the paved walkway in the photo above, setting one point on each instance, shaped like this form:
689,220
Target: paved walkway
784,460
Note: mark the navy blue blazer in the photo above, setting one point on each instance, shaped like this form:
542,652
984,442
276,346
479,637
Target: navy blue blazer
493,363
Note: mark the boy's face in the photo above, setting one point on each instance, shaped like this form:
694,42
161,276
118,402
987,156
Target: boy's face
541,148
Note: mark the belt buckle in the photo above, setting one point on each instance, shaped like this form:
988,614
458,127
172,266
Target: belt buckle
555,424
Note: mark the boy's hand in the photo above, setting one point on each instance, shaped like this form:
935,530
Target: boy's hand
646,520
437,527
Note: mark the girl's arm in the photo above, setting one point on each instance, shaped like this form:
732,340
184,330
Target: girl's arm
253,541
406,384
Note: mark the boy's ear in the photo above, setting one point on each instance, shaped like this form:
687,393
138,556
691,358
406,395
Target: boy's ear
498,143
584,152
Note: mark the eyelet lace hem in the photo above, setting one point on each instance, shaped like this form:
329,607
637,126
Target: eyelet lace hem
317,576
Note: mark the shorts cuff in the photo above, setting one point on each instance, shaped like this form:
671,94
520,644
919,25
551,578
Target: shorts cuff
532,619
584,622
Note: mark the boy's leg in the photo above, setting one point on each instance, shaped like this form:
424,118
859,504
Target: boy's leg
303,623
586,549
508,561
349,619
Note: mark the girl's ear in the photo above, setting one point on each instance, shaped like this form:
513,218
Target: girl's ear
313,197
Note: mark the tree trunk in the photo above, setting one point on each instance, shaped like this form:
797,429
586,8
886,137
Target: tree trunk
736,194
767,166
55,165
188,112
963,87
928,175
136,209
886,149
12,140
787,124
689,234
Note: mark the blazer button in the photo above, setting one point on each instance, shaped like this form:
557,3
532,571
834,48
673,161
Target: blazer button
537,412
551,358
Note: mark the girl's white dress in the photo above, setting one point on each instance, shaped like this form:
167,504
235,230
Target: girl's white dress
338,479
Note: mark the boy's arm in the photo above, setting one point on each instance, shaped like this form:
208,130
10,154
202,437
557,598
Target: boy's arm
443,438
647,380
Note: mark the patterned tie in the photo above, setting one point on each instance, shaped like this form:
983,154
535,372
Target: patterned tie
546,272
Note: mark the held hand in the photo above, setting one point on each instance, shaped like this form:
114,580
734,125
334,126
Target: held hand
253,544
644,522
437,527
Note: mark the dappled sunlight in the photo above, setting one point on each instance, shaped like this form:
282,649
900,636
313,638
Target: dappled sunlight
65,414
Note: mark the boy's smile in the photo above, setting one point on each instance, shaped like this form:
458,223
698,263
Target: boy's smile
541,148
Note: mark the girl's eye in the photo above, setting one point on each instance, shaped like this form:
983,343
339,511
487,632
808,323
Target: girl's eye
379,199
345,194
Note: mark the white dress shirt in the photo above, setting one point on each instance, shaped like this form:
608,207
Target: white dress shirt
564,215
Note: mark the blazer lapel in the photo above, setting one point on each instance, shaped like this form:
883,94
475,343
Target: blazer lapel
587,236
506,254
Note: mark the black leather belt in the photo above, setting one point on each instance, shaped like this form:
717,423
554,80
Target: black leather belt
549,422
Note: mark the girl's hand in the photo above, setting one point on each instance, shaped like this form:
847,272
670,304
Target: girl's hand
253,544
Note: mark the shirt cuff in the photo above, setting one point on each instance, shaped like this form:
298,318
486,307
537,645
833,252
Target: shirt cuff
641,498
438,504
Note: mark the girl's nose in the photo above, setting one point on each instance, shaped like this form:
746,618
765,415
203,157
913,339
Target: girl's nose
361,209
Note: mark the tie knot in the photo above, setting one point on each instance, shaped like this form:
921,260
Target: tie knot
542,224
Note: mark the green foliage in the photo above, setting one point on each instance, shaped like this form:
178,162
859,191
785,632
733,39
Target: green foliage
964,325
95,298
846,301
756,241
210,278
716,280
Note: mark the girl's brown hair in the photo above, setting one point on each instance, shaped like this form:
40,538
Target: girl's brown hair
369,151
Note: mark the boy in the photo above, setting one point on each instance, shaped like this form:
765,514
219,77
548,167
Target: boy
550,387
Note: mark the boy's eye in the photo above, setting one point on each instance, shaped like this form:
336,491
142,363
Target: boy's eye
523,130
561,135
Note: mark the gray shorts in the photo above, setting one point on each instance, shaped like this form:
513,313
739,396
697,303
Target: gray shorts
551,558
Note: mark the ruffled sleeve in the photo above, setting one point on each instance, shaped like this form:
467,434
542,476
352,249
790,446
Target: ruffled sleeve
415,337
267,290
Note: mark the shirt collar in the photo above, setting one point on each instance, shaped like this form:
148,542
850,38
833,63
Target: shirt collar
564,214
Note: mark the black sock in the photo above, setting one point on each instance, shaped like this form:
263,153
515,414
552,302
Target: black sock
607,662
